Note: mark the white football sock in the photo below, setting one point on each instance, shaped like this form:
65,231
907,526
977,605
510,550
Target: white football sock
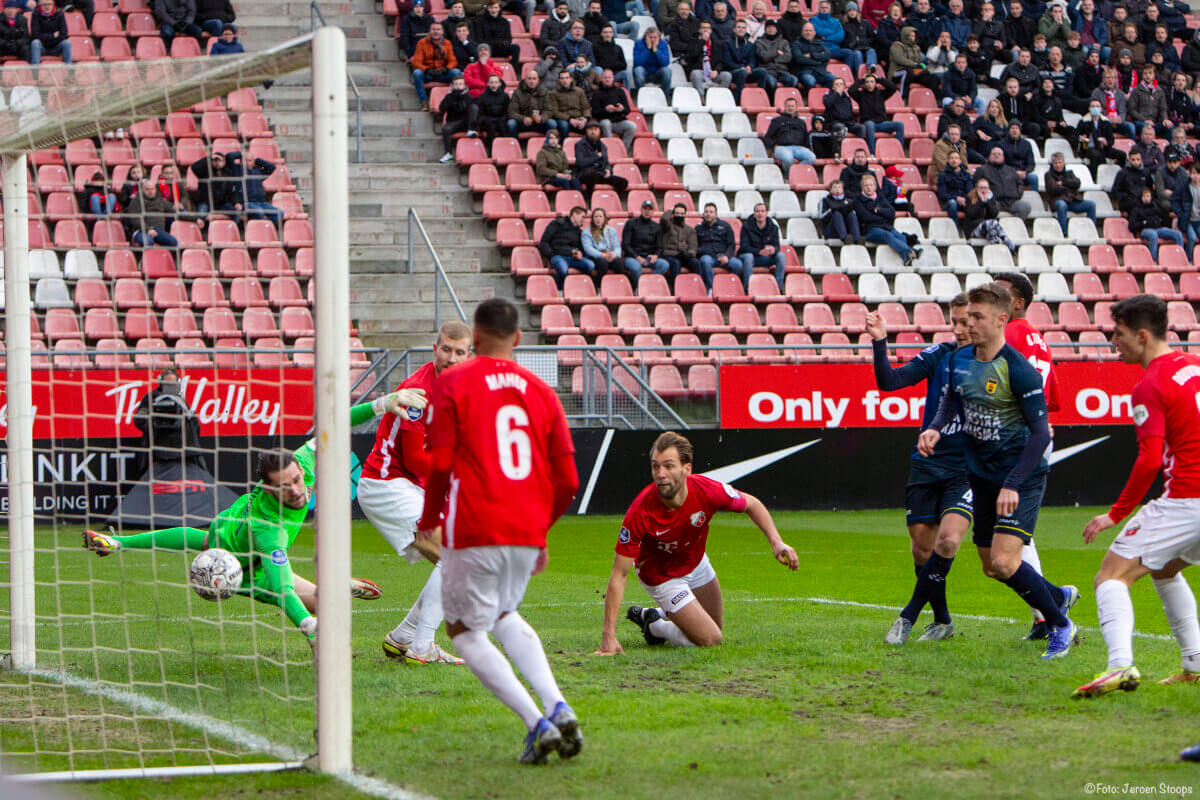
1116,622
492,669
665,629
1029,555
407,629
429,614
1179,604
524,649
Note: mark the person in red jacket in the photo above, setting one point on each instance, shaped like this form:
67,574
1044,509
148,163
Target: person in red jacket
477,74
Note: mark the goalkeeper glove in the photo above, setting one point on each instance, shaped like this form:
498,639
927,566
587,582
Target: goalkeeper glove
398,402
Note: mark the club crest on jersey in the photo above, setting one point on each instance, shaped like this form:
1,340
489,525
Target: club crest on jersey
698,519
623,536
1140,414
414,414
278,558
991,385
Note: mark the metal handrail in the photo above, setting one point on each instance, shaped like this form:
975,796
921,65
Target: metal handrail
315,14
439,272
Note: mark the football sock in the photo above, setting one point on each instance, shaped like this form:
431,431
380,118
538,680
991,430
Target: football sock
429,612
524,648
1029,555
1035,591
492,669
406,631
1115,609
930,588
1179,604
665,629
165,539
1056,593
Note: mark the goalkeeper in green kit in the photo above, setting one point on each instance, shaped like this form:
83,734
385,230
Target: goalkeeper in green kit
262,524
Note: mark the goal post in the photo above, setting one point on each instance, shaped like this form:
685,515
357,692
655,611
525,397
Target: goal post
87,102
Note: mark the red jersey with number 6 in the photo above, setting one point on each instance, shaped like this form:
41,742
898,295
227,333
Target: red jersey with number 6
387,459
668,543
1025,339
1166,403
504,425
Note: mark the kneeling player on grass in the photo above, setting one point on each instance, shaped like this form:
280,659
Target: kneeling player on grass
261,525
664,533
1164,536
938,496
998,396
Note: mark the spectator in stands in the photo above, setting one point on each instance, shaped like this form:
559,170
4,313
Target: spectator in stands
548,68
839,108
1074,54
591,162
679,245
1149,222
48,33
791,22
602,243
101,200
874,12
1187,210
716,246
990,127
1112,101
594,21
739,60
1061,75
211,15
954,184
1179,143
148,217
906,60
1023,70
992,36
585,76
980,216
1003,183
955,113
809,57
213,188
14,31
961,83
1147,24
1048,107
1094,139
939,58
1019,29
1125,64
829,29
683,29
610,108
562,245
652,62
228,44
1147,103
455,16
952,142
888,30
759,245
465,51
1054,26
859,36
171,187
926,22
1089,76
1063,192
1190,57
610,56
176,18
756,21
773,55
704,61
456,114
137,173
1092,29
246,193
1170,181
837,215
1128,185
786,138
567,106
722,23
478,74
527,108
872,93
432,61
574,44
550,165
877,218
853,173
1017,106
556,26
955,23
1040,55
1115,18
495,31
1181,105
1162,44
488,116
1152,156
641,244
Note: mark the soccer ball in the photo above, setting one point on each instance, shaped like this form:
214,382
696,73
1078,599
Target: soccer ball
215,574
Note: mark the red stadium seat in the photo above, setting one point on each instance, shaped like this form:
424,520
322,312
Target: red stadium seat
1088,288
1189,286
170,293
261,233
108,233
158,263
246,292
799,288
470,151
730,351
505,151
53,178
615,290
744,319
178,323
190,351
580,289
556,320
689,288
118,151
216,124
1103,258
271,262
1181,316
853,318
150,48
115,48
185,47
662,177
223,233
836,288
233,360
666,381
197,263
181,125
92,293
669,318
706,318
759,356
1137,258
106,23
220,322
652,289
69,354
259,322
153,355
141,323
70,234
1160,285
540,290
595,320
798,349
1040,317
928,318
284,291
483,178
648,152
1116,232
534,204
570,358
1073,317
130,293
112,354
564,201
296,321
633,319
781,319
818,318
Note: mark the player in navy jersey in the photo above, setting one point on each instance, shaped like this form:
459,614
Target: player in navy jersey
938,496
998,397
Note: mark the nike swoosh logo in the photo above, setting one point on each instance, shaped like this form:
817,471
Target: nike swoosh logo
1067,452
732,472
660,533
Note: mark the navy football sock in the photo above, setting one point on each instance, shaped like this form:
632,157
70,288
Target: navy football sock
1035,591
1056,594
930,588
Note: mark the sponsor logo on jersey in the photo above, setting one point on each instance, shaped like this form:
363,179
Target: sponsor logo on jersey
278,557
1132,528
991,386
679,597
732,492
623,536
698,519
1140,414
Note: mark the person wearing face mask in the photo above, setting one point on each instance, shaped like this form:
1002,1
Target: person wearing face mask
980,216
1094,137
679,246
837,215
877,218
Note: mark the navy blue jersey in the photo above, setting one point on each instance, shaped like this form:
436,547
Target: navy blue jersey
1002,408
931,365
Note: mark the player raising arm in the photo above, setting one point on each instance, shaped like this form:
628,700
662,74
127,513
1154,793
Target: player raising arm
1164,536
664,534
501,448
999,398
938,495
261,525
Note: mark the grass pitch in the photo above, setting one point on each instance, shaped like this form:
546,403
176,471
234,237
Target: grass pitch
802,700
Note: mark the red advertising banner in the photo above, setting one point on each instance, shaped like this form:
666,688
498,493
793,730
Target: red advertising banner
228,402
845,396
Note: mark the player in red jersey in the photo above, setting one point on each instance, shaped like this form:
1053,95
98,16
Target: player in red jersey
664,534
502,451
391,492
1021,336
1164,536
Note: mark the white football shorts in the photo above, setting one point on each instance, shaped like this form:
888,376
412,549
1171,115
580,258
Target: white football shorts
394,507
676,593
481,583
1163,530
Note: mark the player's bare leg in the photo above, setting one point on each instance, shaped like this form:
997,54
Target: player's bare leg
1115,610
931,583
1179,605
361,588
921,537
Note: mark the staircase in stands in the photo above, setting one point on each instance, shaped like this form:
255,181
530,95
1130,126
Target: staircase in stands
399,170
